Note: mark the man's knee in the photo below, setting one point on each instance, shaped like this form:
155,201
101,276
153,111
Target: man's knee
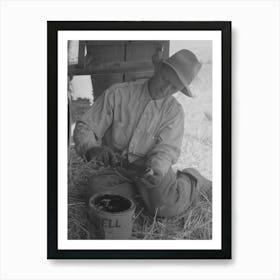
173,200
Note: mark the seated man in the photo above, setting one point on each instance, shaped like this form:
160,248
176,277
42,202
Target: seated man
136,129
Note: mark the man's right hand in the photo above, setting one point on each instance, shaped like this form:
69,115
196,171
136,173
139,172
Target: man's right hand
104,154
152,176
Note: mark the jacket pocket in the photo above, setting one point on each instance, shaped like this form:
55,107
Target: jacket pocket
146,142
121,133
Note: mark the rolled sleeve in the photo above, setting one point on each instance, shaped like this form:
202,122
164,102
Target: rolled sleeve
167,149
90,128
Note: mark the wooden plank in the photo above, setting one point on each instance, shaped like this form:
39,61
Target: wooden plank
112,67
133,76
102,82
138,51
105,43
146,49
81,55
149,42
105,53
123,42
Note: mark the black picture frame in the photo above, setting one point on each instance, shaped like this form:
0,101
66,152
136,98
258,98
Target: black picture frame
52,109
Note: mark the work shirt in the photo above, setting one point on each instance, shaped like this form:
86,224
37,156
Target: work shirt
126,119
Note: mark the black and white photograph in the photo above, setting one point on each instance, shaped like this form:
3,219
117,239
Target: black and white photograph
141,125
140,150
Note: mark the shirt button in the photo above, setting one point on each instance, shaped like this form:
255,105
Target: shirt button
145,116
138,130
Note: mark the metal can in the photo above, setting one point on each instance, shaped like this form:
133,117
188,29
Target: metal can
110,216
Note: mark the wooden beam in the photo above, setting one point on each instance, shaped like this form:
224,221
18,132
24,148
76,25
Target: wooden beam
112,67
81,55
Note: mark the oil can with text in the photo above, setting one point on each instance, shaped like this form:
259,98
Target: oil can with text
110,216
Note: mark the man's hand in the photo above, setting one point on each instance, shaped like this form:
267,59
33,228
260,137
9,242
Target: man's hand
104,154
151,177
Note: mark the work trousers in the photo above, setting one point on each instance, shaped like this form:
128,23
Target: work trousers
171,197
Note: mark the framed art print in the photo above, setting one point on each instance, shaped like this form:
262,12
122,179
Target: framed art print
139,140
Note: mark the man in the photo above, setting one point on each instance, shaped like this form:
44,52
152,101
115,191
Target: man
136,129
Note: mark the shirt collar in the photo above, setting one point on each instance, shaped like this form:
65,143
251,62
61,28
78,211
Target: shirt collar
157,102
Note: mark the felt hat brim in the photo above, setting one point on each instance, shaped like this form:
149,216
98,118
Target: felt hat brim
186,90
186,66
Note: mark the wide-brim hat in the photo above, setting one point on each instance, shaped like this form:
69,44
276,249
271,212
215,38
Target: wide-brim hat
186,66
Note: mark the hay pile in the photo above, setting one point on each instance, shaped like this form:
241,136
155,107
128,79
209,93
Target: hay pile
196,223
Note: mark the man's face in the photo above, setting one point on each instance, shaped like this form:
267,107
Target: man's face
165,83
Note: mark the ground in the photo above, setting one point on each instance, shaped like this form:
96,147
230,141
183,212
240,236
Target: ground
196,152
